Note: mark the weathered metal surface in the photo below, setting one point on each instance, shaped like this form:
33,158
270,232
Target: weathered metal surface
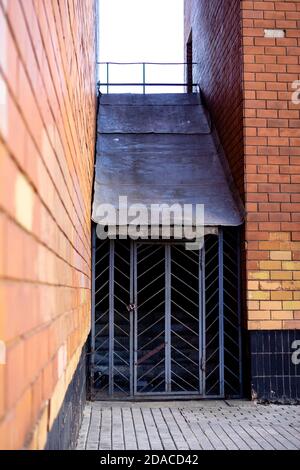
156,153
166,99
219,206
147,119
146,159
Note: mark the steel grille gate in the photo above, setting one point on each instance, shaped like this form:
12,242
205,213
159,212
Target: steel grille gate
166,321
185,320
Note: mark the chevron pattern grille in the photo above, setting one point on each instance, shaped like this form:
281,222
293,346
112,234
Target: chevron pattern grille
185,299
121,334
101,322
167,320
150,321
212,318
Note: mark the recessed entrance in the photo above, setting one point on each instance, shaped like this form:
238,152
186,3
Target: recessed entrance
166,320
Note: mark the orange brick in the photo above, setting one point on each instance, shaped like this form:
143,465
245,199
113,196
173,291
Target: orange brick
272,305
291,285
2,390
291,305
259,275
269,245
36,398
281,295
259,315
282,315
280,236
36,354
254,325
8,176
281,275
23,418
258,295
271,325
291,265
253,285
2,246
14,373
281,255
270,285
270,265
291,325
253,305
49,379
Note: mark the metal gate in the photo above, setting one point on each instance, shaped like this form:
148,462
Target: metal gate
166,321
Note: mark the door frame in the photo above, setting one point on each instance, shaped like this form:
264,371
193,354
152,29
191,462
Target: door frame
202,364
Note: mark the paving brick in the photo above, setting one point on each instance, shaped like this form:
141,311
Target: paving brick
189,425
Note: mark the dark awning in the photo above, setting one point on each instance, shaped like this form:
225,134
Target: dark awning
158,149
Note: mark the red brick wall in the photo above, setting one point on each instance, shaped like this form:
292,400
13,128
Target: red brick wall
216,31
272,163
47,125
250,98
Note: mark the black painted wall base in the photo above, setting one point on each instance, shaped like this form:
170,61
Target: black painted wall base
64,432
275,365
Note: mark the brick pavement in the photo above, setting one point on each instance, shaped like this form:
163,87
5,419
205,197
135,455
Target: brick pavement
209,425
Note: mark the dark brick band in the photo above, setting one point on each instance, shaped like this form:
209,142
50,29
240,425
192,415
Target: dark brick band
275,374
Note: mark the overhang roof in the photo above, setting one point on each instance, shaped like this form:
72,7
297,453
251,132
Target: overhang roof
158,149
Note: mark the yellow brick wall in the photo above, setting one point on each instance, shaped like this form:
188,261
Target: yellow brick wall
47,134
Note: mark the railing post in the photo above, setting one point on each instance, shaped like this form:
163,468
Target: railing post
144,78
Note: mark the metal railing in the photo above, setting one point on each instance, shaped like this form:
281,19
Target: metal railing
107,83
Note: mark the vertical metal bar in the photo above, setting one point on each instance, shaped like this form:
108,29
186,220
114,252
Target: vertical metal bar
202,351
239,307
168,318
111,315
135,319
107,77
93,319
144,78
131,318
221,313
